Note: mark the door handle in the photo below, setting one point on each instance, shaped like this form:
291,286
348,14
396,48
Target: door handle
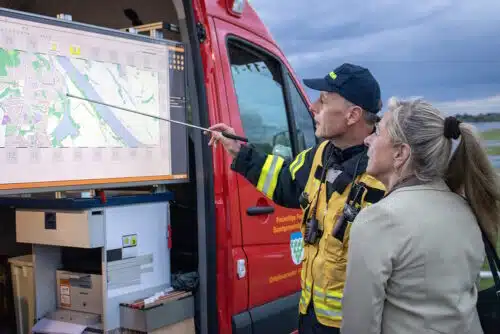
259,210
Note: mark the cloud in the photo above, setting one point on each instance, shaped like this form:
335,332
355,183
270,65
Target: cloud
367,28
471,107
444,50
322,27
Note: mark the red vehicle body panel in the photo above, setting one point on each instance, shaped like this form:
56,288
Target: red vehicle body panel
262,241
266,242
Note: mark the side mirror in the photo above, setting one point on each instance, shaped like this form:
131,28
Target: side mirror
283,151
281,145
281,138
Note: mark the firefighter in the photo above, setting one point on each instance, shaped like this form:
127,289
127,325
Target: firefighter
327,181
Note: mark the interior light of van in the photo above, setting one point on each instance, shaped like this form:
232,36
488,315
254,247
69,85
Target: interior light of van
238,6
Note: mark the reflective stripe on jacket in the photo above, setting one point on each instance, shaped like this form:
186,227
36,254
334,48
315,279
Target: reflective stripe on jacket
325,263
283,181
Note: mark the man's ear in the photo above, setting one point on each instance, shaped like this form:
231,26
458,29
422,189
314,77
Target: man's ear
401,155
354,114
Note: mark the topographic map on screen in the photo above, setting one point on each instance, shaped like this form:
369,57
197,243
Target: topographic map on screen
47,118
49,138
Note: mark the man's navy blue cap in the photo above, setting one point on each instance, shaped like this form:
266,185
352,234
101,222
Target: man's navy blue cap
354,83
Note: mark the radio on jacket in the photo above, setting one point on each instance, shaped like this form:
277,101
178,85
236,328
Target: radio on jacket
349,212
312,232
319,181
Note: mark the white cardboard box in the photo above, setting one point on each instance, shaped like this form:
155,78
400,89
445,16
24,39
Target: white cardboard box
79,291
84,229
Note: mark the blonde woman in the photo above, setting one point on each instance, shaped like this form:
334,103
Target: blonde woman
415,256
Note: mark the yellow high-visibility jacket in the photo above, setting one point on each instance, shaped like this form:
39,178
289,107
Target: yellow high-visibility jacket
324,263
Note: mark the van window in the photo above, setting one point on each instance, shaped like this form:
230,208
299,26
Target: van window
259,89
303,120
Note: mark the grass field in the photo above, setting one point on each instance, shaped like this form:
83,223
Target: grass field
488,282
493,134
493,137
493,150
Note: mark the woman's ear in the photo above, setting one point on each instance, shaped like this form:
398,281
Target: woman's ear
401,155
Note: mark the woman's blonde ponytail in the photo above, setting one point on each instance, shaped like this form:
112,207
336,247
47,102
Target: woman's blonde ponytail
470,173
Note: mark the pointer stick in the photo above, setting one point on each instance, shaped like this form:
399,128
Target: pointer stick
227,135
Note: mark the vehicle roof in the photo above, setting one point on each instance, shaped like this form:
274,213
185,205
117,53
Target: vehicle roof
248,20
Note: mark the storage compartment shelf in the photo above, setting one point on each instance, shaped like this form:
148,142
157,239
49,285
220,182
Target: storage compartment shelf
77,203
158,316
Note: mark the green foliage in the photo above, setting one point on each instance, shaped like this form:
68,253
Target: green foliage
488,117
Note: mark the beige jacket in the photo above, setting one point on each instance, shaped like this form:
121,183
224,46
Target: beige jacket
414,258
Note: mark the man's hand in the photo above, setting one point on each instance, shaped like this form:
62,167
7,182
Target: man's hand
232,146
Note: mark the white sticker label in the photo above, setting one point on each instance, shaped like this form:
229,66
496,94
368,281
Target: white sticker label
64,290
65,300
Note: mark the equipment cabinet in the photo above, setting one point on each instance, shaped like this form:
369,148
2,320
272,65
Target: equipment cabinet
92,256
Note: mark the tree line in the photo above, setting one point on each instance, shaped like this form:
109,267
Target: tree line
488,117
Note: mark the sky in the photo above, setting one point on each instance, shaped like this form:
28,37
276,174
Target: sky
446,51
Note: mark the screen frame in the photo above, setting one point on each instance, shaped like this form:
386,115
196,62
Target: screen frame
104,183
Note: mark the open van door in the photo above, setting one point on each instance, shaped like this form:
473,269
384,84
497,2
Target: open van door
266,106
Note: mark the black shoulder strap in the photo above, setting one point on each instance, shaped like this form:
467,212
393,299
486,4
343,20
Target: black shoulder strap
493,259
326,160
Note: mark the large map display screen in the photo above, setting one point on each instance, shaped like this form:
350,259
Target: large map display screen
48,139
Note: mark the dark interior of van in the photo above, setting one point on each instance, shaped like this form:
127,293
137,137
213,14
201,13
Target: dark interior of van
183,217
